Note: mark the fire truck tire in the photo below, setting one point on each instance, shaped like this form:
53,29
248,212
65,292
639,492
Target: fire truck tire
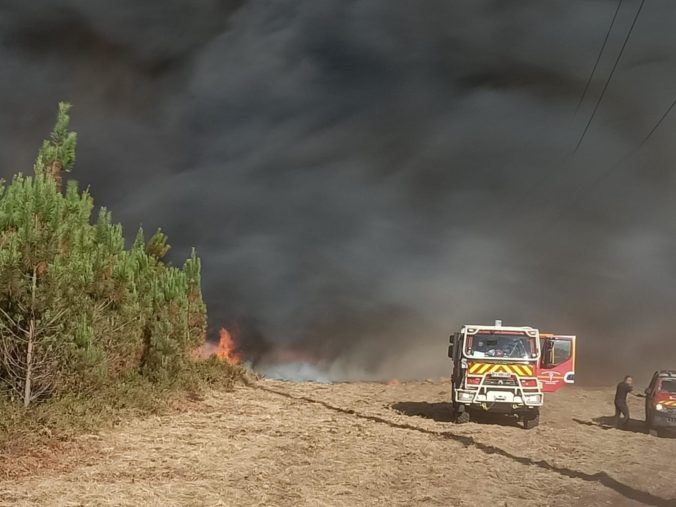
649,425
462,417
530,421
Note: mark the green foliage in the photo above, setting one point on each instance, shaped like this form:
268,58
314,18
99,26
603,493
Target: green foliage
157,246
58,152
78,311
60,147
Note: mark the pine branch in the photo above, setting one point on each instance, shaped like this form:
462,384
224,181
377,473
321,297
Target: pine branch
14,323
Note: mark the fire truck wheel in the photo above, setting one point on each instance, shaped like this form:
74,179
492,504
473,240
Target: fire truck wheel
530,421
462,417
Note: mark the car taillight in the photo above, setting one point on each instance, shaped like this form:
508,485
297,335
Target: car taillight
474,380
529,382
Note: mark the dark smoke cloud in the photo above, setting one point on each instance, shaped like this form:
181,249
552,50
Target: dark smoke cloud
360,178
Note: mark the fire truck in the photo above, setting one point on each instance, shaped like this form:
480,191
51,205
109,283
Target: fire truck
507,370
660,402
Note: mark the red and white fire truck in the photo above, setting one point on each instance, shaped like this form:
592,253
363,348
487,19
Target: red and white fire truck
660,403
507,370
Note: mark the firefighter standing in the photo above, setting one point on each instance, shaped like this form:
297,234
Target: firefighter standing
621,407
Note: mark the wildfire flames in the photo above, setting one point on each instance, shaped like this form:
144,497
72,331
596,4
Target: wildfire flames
224,349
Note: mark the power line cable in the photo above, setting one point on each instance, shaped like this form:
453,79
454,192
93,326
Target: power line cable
606,173
598,58
610,76
515,205
546,177
659,122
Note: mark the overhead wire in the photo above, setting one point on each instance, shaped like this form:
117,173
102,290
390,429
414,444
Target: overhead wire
598,57
614,167
610,76
540,182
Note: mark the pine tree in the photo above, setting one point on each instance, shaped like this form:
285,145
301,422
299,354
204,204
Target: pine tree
58,153
30,214
78,310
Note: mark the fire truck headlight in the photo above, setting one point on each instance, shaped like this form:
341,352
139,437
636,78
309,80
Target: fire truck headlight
466,396
659,406
533,398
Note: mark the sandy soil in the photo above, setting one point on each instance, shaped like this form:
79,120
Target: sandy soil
278,443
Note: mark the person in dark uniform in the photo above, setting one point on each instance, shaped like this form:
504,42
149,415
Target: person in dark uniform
621,407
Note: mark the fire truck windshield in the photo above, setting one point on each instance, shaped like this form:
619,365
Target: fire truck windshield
501,346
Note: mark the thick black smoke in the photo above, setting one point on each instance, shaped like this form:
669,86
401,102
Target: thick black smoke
363,177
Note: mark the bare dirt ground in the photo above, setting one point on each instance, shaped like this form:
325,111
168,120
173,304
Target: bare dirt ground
278,443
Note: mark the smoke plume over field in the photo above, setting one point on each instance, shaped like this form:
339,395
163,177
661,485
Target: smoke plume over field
363,177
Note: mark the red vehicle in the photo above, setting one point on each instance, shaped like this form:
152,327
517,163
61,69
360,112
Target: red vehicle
506,370
557,361
660,402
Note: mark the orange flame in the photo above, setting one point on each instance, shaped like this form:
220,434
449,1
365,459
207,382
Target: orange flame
225,349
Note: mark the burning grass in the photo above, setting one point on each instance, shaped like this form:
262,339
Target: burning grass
225,349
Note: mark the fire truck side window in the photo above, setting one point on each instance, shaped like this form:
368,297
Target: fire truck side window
563,349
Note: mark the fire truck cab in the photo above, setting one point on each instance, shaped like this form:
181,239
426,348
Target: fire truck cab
495,369
660,402
507,370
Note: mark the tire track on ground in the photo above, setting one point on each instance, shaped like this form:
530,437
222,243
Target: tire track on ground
603,478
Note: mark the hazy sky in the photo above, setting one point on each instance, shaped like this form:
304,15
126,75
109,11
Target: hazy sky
361,178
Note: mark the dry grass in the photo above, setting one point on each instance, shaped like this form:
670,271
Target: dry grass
355,444
48,434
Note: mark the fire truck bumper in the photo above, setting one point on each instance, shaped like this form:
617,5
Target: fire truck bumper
664,419
495,399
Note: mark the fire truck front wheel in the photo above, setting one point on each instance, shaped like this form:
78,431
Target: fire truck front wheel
460,414
531,419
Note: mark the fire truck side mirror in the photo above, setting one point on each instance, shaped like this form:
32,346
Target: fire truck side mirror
450,350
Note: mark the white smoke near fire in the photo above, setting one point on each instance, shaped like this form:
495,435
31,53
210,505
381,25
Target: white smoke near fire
297,372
